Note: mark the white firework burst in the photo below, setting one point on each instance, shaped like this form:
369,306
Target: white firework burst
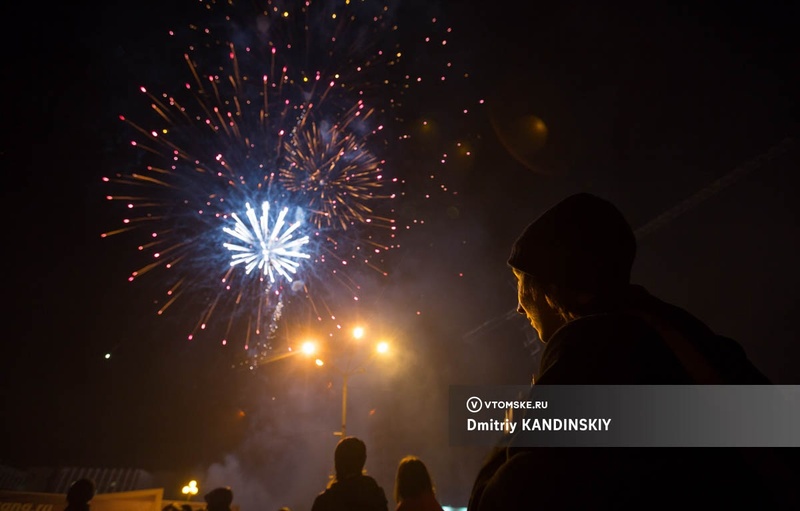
273,251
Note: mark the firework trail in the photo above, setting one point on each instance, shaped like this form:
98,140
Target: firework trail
282,118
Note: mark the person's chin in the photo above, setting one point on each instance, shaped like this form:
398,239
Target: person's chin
542,338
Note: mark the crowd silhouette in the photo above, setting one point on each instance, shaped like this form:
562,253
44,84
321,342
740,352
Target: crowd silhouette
350,489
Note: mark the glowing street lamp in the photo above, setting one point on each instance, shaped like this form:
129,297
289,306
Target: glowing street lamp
381,348
190,490
309,347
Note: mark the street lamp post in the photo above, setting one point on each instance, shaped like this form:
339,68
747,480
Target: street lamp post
345,376
381,348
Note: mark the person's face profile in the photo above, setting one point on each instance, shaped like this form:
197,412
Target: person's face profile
543,318
525,302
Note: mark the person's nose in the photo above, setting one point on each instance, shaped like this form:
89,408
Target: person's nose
520,310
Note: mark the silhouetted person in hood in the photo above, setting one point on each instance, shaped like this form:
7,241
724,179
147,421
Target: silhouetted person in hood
573,268
351,490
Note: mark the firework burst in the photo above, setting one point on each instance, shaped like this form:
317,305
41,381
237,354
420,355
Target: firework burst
285,108
335,175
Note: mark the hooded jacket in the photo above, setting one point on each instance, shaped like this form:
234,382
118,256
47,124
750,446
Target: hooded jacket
643,341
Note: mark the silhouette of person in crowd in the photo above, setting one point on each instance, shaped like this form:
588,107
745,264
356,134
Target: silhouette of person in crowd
351,489
219,499
573,271
413,487
80,493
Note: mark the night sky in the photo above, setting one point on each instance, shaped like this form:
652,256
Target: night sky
651,107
